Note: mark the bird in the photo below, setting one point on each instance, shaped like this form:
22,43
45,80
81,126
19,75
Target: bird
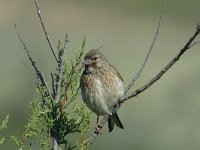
101,85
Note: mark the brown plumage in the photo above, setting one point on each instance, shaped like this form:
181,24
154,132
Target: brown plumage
101,85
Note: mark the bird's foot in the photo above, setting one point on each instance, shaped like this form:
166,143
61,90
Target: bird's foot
98,129
117,104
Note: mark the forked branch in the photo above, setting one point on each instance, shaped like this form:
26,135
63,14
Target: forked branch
38,73
187,46
132,82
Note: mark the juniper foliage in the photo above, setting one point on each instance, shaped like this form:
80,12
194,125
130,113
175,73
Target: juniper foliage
66,117
3,125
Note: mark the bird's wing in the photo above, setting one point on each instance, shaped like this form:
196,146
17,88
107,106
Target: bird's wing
117,73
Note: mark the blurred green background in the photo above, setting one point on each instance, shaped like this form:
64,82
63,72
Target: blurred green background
165,117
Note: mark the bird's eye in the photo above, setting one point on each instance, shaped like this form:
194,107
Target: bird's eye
95,58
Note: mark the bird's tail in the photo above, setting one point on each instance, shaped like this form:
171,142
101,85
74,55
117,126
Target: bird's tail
112,120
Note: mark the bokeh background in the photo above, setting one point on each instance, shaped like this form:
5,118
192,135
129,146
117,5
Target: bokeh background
165,117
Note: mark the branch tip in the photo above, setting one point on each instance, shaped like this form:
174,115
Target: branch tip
198,26
66,38
141,69
38,73
45,30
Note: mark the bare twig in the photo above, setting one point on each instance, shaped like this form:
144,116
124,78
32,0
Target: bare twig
194,43
60,70
38,73
151,82
164,70
45,30
26,65
132,82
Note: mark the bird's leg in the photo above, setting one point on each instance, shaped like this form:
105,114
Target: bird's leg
97,119
98,127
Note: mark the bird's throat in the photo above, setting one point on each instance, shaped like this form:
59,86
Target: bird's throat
87,71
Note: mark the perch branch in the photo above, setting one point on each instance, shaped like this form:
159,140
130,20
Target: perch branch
187,46
132,82
38,73
45,30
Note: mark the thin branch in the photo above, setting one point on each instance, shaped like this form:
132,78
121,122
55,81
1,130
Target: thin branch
58,86
38,73
26,65
194,43
53,84
45,30
151,82
132,82
60,61
164,70
60,70
95,134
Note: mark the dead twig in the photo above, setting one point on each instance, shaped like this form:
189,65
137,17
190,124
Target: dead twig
38,73
187,46
45,30
132,82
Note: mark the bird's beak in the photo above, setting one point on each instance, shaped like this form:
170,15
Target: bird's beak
86,62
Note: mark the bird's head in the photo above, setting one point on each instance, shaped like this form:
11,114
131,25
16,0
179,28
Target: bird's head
94,59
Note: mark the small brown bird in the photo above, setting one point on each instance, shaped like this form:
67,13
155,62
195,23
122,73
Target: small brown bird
101,85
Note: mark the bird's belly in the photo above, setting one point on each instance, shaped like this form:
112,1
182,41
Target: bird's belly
100,98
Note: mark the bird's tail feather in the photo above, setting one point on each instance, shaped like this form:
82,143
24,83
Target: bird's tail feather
112,120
